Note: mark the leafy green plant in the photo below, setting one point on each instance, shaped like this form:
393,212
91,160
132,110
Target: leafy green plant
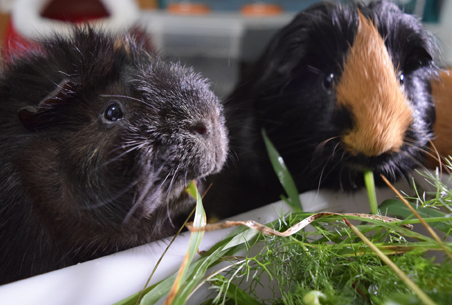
375,262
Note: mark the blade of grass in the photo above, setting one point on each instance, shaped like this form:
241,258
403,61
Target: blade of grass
370,186
208,278
161,257
415,288
429,229
198,273
237,294
396,207
348,247
233,243
193,244
284,176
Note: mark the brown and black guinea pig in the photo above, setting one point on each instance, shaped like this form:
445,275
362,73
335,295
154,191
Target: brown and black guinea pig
342,89
99,138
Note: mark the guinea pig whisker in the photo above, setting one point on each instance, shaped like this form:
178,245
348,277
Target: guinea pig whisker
231,158
433,149
341,171
119,95
168,203
322,172
402,173
131,148
394,169
432,152
335,148
341,184
420,164
233,155
168,213
321,146
314,70
414,145
424,149
437,157
424,133
144,192
113,197
138,146
412,141
321,175
343,168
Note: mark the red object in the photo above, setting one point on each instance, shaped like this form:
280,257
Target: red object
63,10
75,11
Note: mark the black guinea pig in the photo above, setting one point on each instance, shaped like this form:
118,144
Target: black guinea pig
99,139
342,89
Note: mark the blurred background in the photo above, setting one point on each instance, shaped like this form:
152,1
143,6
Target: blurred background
219,38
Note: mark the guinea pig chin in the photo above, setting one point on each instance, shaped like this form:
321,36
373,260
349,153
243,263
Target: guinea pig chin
369,88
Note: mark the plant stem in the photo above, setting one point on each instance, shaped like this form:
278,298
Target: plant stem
370,186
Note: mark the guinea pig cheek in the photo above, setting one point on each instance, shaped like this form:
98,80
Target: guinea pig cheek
370,89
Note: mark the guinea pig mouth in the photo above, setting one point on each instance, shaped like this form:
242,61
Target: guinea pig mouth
180,194
174,199
361,163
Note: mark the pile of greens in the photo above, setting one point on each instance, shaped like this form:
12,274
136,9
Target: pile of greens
334,263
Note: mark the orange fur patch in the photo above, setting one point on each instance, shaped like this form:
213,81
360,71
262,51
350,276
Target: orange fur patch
442,95
370,89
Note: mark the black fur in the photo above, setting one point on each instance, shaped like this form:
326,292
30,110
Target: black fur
290,94
79,178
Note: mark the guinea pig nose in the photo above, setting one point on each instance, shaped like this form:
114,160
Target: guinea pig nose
200,128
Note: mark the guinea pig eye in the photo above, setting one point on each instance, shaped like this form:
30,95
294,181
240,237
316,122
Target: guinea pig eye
113,113
401,79
328,82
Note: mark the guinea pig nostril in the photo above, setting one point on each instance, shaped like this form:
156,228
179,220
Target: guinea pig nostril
200,129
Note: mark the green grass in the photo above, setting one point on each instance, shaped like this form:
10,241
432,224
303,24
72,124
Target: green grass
370,186
345,271
330,264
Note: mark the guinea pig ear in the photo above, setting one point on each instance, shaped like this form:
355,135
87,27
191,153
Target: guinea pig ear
289,46
37,117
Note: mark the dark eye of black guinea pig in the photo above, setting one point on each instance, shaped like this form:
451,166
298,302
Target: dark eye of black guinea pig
341,89
99,139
